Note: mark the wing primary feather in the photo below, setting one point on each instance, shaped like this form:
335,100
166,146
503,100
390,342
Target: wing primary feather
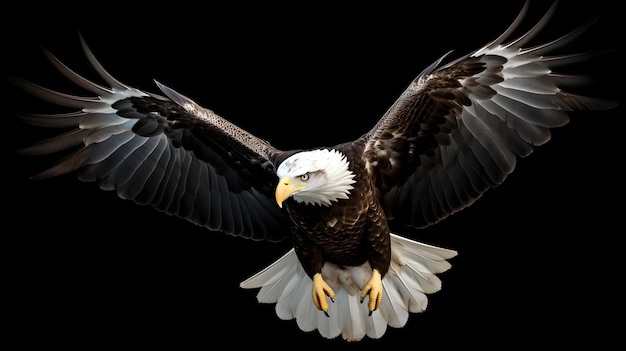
559,42
58,143
68,164
109,79
556,61
75,77
55,97
60,120
507,33
529,35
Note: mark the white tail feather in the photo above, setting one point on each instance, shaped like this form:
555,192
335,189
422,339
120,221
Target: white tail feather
411,276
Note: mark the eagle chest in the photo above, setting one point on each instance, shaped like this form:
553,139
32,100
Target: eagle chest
345,230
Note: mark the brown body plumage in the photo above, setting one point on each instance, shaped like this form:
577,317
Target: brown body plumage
349,233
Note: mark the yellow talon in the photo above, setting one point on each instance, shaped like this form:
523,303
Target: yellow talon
320,291
373,288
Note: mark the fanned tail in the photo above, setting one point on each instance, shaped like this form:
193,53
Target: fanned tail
412,275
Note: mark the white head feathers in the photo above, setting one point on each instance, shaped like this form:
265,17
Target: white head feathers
323,174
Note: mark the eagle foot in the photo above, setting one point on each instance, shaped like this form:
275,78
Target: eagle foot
320,291
373,289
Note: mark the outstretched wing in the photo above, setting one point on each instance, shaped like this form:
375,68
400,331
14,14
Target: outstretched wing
165,151
458,129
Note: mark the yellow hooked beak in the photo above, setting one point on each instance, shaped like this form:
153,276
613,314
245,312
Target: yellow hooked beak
285,189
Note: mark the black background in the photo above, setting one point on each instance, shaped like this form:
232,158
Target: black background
539,257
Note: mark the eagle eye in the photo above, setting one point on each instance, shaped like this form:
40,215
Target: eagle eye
304,177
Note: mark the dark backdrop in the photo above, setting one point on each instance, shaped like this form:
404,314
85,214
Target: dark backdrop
539,257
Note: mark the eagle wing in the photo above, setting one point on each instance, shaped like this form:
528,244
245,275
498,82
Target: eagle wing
458,129
161,150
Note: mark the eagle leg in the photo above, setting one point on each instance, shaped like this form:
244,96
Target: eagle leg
320,291
373,288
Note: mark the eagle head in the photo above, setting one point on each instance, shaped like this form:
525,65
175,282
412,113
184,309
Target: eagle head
316,177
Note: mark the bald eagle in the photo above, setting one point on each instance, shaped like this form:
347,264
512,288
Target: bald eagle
456,131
